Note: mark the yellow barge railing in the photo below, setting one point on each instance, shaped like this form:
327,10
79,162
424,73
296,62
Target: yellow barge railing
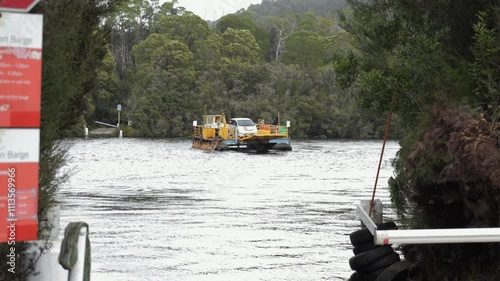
225,133
266,129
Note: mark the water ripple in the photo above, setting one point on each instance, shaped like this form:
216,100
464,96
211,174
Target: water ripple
159,210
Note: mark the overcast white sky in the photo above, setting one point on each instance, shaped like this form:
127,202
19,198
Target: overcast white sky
214,9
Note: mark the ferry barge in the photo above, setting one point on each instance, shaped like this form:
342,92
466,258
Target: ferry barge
215,133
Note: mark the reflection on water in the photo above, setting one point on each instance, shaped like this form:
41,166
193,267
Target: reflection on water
159,210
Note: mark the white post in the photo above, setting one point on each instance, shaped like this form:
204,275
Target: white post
76,273
119,108
121,134
86,132
366,220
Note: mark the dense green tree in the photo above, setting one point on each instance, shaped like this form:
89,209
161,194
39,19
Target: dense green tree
163,80
164,61
209,53
240,46
168,8
102,100
187,28
245,22
305,49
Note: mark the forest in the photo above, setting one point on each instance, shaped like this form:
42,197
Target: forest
167,67
334,69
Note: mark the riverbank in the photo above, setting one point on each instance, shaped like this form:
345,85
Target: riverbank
129,132
110,133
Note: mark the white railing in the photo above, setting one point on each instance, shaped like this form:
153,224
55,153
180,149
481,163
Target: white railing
429,236
106,124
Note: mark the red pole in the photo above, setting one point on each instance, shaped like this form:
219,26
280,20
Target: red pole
380,162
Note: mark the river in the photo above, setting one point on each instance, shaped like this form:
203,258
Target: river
160,210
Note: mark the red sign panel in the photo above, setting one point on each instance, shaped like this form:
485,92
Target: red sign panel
20,84
17,5
19,156
19,208
20,70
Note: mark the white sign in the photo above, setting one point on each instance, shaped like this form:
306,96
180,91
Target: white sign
119,107
21,30
19,145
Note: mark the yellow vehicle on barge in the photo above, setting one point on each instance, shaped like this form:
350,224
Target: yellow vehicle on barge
215,133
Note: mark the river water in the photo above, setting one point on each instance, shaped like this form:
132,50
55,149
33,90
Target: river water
160,210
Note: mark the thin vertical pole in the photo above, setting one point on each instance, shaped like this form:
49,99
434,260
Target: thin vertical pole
380,161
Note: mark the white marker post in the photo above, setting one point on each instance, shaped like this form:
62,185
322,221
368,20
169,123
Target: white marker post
119,108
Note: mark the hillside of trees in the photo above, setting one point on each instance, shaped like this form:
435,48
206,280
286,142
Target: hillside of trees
167,66
276,8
